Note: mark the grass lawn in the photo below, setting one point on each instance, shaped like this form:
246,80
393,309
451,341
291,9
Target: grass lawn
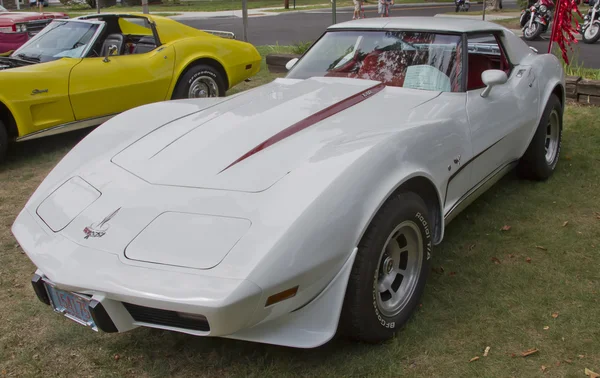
536,285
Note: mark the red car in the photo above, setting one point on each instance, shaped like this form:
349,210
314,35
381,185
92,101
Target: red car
17,27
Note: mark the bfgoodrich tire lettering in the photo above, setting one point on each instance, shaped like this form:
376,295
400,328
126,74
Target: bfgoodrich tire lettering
379,298
200,81
541,157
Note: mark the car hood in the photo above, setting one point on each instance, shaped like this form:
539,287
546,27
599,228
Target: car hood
248,143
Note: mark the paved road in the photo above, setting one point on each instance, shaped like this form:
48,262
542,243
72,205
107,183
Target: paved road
294,27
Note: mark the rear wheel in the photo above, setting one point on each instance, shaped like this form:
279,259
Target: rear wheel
390,270
3,141
200,81
541,157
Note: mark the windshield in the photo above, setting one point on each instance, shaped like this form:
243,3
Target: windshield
417,60
58,40
2,9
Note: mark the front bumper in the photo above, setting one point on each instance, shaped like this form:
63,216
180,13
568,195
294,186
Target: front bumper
127,296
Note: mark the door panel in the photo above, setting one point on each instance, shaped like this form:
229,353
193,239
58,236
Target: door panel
501,122
99,88
40,94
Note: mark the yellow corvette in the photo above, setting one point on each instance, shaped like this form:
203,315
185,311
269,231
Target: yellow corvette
80,72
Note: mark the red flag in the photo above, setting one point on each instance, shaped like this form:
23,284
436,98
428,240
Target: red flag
563,30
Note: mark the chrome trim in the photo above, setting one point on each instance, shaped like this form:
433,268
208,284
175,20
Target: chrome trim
71,126
478,190
219,33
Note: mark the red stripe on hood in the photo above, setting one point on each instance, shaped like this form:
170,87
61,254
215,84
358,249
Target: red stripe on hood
311,120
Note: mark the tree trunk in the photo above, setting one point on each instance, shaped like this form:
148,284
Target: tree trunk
493,5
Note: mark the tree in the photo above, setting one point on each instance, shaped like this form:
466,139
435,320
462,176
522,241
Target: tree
493,5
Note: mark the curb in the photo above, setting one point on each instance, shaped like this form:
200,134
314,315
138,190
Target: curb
545,36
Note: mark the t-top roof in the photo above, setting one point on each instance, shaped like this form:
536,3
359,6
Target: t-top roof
435,24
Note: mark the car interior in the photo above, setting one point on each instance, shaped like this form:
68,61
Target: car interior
485,53
389,64
123,36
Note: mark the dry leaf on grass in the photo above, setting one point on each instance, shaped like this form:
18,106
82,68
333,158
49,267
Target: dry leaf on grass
495,260
555,315
543,368
557,363
471,247
581,356
591,373
505,228
546,328
474,359
568,361
487,350
117,357
529,352
528,259
566,223
510,255
540,247
452,274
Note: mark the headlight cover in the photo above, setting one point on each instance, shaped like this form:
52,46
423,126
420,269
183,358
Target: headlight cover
66,203
187,240
543,9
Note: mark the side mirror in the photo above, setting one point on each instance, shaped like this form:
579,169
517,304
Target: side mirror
290,64
491,78
111,50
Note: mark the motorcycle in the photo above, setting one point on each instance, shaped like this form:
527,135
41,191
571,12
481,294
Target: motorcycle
462,5
535,19
590,30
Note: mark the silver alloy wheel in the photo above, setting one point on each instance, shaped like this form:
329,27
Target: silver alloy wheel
202,87
592,31
398,269
529,31
552,136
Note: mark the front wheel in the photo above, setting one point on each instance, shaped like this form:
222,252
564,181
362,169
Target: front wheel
532,32
591,33
541,157
200,81
390,270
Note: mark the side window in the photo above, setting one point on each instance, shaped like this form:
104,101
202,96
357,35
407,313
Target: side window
485,53
138,37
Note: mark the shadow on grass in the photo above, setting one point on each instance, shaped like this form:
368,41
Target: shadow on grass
41,151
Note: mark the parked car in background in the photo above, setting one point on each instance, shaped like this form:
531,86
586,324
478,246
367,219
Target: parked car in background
81,72
16,28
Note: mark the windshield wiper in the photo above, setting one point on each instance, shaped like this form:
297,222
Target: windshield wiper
35,59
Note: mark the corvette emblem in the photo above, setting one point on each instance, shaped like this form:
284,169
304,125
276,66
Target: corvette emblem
97,230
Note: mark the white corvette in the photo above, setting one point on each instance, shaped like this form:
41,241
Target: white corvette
312,202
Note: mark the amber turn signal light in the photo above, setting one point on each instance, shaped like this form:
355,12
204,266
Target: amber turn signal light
286,294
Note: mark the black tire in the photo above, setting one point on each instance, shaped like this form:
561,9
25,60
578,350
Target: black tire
197,72
594,38
3,141
534,163
361,317
536,33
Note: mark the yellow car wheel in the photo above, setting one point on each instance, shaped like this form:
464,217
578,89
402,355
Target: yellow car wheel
3,141
200,81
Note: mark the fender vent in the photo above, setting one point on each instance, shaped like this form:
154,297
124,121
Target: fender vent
167,318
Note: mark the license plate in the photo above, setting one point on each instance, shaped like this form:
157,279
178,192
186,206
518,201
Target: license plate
71,305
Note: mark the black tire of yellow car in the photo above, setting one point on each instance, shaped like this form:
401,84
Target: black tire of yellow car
360,319
185,81
533,164
3,141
